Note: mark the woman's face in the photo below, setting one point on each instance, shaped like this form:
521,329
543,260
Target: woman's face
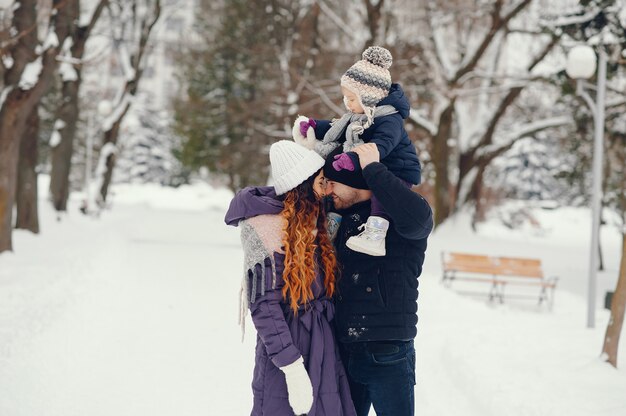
319,185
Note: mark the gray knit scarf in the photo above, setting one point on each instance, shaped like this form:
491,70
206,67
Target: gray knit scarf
356,125
261,238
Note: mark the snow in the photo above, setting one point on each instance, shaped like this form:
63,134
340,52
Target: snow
55,138
135,313
7,61
52,41
5,94
423,121
114,116
66,68
31,73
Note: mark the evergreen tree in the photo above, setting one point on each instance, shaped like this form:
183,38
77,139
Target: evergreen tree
228,85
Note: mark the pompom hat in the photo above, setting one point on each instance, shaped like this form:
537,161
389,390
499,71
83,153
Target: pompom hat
292,164
369,78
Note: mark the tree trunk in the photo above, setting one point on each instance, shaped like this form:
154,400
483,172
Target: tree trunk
441,156
374,17
9,156
62,153
24,20
26,197
20,102
130,89
618,304
69,112
111,136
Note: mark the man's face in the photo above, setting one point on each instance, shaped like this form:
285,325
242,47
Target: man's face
343,196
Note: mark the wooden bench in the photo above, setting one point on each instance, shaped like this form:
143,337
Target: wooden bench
499,272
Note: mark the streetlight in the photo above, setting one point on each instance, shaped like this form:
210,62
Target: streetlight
581,64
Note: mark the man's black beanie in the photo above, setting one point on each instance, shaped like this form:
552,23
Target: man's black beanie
353,178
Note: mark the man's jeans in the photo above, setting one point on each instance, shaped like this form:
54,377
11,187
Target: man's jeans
381,373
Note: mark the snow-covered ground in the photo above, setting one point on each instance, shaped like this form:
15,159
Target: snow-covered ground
135,313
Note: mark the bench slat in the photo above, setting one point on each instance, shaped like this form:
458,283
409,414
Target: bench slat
503,271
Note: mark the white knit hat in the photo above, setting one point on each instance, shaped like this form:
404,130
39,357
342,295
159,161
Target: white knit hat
292,164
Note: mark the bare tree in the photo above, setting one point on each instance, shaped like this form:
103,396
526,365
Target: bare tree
33,66
468,79
26,198
68,112
132,23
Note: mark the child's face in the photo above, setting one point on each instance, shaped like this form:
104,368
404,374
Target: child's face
351,101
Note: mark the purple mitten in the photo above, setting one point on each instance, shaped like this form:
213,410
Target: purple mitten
343,161
304,126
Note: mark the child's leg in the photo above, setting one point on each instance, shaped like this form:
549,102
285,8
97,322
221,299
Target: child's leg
372,240
377,208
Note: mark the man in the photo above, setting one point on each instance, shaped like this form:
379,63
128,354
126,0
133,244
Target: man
376,302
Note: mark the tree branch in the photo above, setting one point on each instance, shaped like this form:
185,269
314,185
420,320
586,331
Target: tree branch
497,23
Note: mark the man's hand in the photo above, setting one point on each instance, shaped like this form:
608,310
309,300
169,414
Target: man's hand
368,153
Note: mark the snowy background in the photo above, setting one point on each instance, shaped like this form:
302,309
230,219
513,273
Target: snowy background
132,310
135,313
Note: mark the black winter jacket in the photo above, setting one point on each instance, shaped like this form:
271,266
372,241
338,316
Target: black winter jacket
377,296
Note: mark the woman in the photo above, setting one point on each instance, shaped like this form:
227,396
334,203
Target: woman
289,280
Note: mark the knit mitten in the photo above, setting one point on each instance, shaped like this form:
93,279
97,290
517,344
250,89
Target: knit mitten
303,132
343,161
299,387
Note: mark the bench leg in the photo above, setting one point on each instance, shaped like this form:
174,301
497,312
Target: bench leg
543,295
493,292
501,293
547,297
551,299
497,291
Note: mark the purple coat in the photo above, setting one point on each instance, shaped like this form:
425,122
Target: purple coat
284,337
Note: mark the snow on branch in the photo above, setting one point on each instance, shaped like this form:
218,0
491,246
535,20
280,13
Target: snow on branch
570,20
323,96
116,114
498,22
423,122
31,74
522,131
341,24
615,103
126,64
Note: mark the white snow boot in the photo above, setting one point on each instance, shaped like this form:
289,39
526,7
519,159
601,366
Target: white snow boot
372,240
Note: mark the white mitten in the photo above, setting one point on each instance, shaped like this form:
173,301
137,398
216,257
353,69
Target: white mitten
309,141
299,387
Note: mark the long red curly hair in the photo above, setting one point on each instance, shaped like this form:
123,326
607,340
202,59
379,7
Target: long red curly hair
303,213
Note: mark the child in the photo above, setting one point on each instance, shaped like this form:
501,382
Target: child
376,109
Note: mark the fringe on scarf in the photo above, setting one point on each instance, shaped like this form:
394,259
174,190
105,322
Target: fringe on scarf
260,238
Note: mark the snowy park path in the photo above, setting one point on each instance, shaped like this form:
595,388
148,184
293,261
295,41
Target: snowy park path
147,326
135,314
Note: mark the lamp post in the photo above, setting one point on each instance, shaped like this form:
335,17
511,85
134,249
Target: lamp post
581,64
